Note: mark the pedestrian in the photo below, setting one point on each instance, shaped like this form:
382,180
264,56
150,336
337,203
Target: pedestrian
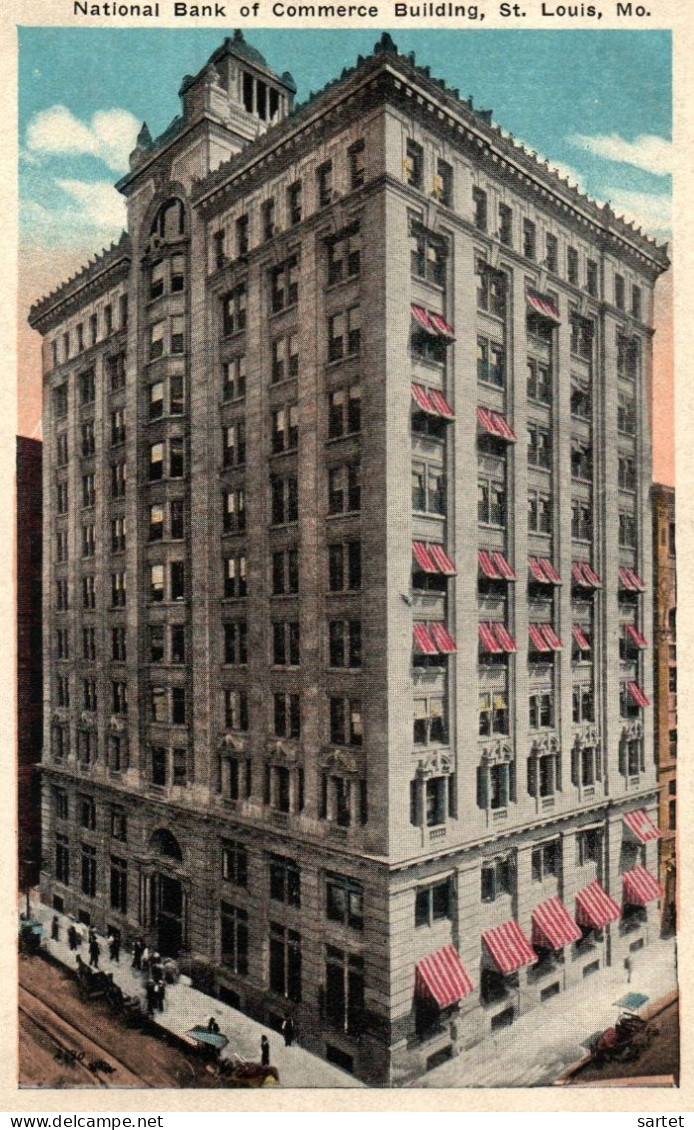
144,959
212,1025
628,965
72,937
55,928
288,1031
94,952
151,996
264,1051
114,948
155,967
138,946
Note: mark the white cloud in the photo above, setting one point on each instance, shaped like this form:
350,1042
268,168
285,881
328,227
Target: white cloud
99,204
110,136
650,153
648,210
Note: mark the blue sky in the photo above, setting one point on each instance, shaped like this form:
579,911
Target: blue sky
597,104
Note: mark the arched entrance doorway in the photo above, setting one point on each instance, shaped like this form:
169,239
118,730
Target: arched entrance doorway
167,897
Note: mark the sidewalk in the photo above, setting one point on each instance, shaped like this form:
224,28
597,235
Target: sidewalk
544,1042
184,1007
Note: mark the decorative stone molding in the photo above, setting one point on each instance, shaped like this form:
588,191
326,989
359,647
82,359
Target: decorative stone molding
116,724
587,736
494,753
60,716
435,764
282,751
632,730
87,720
340,761
544,744
232,743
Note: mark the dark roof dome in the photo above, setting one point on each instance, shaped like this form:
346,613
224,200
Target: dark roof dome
239,47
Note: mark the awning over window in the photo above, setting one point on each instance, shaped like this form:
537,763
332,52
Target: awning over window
552,637
595,908
637,695
495,424
640,887
543,571
420,315
636,636
441,559
582,642
640,823
441,405
495,566
423,558
421,399
496,638
537,638
553,926
422,640
488,639
441,326
584,575
631,580
441,637
508,947
542,305
442,975
432,323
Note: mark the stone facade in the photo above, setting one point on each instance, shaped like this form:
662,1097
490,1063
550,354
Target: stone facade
279,786
665,689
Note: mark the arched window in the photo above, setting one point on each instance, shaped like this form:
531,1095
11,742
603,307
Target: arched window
164,843
170,220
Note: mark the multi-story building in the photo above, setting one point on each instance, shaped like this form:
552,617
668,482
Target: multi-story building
356,715
665,690
29,658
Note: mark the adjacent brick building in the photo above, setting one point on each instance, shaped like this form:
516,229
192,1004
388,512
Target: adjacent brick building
665,689
348,565
29,657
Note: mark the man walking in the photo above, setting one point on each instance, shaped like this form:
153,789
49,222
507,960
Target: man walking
94,951
55,928
114,948
264,1051
72,937
288,1031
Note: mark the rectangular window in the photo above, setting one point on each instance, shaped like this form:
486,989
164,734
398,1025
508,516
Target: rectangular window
87,387
428,257
505,225
285,285
324,183
156,340
268,219
636,302
285,500
551,253
285,962
433,903
88,876
344,256
357,171
479,205
592,277
491,290
156,582
119,884
344,489
529,239
234,938
234,310
344,334
285,881
294,203
234,444
344,990
619,292
344,566
285,429
234,511
539,446
344,412
236,642
234,378
242,227
572,265
287,715
414,164
235,577
236,711
345,721
344,901
285,572
285,643
345,643
235,863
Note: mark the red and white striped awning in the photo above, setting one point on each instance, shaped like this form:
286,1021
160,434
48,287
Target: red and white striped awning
542,305
445,643
553,926
441,405
582,642
595,908
504,637
495,566
441,326
508,947
640,823
488,639
442,975
636,636
423,558
421,399
422,640
640,887
495,424
441,559
543,571
637,695
552,637
537,638
631,580
584,575
420,315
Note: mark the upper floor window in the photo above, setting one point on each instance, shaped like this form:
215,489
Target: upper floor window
551,252
592,277
428,488
626,414
285,429
285,358
529,239
491,290
324,183
541,711
627,530
344,566
443,183
285,284
344,901
294,202
539,381
234,310
491,502
87,387
344,333
234,378
234,444
344,489
479,204
60,401
268,219
357,171
619,292
428,258
170,220
539,512
344,411
539,446
344,256
505,225
496,879
581,521
636,302
414,164
285,500
582,333
433,903
572,265
242,244
491,362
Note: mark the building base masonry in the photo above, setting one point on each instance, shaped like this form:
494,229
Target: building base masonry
347,566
